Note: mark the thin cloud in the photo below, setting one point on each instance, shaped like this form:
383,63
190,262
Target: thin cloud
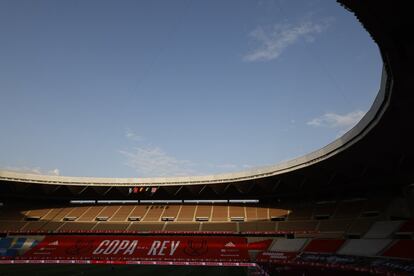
341,122
153,161
131,135
36,170
272,41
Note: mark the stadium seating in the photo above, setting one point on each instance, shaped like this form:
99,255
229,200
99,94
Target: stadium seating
336,226
382,229
182,226
306,225
359,227
349,209
332,219
364,247
187,213
288,245
324,209
407,227
324,245
401,249
109,226
219,226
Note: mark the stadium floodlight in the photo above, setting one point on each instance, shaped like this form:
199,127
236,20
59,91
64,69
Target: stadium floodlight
206,201
82,201
160,201
117,201
243,201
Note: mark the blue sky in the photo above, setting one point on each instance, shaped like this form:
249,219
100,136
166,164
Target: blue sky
165,88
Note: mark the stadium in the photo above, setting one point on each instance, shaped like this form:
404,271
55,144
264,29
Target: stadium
345,208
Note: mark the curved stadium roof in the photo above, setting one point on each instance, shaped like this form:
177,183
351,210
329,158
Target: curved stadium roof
377,150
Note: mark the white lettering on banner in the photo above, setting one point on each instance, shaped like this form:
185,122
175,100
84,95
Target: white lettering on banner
111,247
173,245
107,247
131,248
99,250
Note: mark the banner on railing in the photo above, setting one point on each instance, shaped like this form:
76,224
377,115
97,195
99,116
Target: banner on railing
128,247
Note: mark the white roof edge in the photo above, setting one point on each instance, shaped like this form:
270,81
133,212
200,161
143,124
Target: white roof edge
370,119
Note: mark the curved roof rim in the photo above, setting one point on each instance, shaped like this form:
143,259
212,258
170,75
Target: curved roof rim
370,119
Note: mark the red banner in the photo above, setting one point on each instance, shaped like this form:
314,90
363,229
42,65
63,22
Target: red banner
167,248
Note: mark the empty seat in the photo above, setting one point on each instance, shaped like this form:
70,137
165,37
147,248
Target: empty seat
382,229
248,226
203,211
177,226
109,211
51,226
349,209
139,211
360,226
217,226
91,213
251,213
306,225
364,247
400,249
38,212
220,213
187,213
262,226
275,213
337,225
11,225
78,211
171,211
77,226
262,213
324,245
236,211
33,226
142,226
376,205
111,226
301,213
59,214
324,209
266,226
122,213
154,213
288,245
407,227
11,214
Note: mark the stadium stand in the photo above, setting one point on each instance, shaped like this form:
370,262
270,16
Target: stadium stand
382,229
288,245
329,220
324,245
359,227
407,227
364,247
400,249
